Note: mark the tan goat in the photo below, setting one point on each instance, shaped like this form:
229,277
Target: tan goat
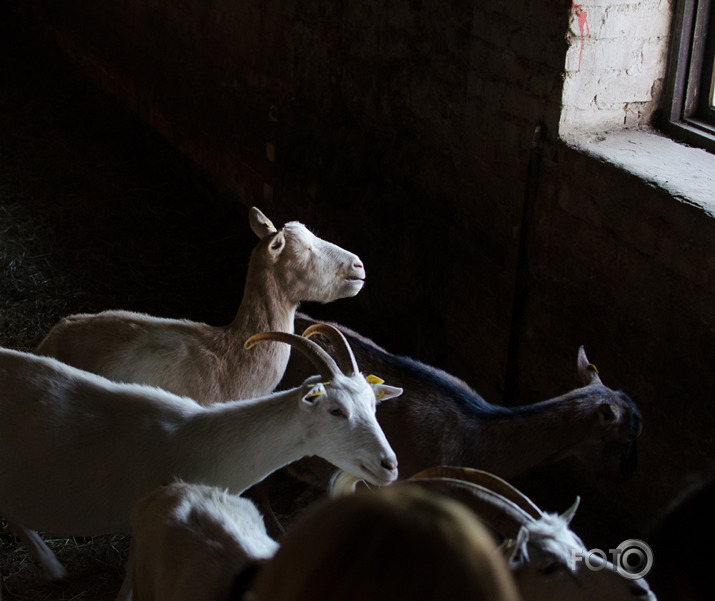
207,363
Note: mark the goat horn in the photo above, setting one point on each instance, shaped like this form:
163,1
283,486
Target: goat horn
323,362
501,514
485,479
569,514
587,371
345,355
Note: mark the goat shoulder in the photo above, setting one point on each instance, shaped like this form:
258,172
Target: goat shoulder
190,541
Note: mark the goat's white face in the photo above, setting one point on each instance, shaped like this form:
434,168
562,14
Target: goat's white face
345,429
546,577
543,567
307,267
314,269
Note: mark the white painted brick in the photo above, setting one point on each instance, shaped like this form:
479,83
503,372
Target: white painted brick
612,70
617,56
576,119
572,57
579,91
636,20
633,20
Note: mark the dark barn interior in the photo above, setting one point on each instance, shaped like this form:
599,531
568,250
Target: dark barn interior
425,137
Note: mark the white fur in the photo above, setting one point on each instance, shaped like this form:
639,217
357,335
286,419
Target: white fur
207,363
190,541
540,547
77,450
541,560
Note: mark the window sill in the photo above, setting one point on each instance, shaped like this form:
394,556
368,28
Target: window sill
686,173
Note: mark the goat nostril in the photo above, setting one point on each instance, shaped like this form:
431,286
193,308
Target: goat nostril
358,265
388,465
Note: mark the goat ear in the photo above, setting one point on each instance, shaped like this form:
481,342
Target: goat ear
586,370
384,392
312,394
260,224
276,245
569,514
517,551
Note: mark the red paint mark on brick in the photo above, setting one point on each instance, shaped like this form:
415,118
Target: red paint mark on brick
582,17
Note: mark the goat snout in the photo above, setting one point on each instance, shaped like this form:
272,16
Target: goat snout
355,267
389,464
356,274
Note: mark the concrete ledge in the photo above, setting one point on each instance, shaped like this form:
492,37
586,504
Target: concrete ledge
686,173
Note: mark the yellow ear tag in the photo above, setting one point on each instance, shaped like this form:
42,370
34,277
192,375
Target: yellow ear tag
507,545
375,380
593,367
312,395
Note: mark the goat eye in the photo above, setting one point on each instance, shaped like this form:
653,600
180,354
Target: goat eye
549,567
337,412
607,413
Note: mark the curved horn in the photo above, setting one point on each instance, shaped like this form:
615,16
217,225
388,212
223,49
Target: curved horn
345,355
486,480
505,517
323,362
569,514
587,371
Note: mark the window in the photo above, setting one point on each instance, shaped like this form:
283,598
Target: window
691,114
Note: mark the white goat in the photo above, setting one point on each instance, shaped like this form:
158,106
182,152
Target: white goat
191,541
206,363
79,450
539,546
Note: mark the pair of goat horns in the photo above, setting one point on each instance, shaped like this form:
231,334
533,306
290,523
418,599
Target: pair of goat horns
497,502
494,500
323,362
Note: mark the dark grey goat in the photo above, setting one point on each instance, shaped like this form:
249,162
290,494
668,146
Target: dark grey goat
440,420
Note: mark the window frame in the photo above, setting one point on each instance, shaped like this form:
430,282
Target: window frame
690,117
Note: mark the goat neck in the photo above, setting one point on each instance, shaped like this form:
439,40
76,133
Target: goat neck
276,413
533,435
264,307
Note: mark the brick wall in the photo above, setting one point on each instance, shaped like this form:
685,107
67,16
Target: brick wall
615,64
404,130
349,113
627,271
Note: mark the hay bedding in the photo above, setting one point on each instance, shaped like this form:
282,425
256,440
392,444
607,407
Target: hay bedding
94,214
